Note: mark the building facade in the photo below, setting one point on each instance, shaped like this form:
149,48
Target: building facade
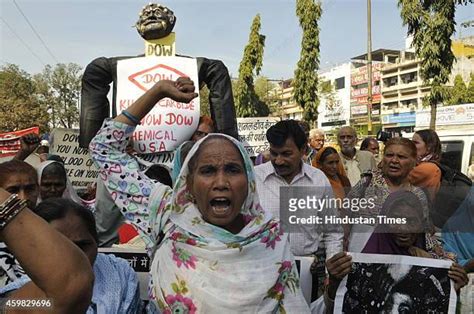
334,106
403,89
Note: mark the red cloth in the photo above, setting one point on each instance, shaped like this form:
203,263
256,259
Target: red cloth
127,232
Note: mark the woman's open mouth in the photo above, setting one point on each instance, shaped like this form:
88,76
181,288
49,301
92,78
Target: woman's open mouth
220,205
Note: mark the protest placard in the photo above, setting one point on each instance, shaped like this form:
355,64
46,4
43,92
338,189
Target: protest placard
252,133
79,166
169,123
395,284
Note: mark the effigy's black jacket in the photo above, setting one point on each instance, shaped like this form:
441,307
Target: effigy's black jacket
98,75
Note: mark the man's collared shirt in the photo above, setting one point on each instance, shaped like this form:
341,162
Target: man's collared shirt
362,162
308,241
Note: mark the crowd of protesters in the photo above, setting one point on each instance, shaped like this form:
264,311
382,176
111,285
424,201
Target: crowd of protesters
211,224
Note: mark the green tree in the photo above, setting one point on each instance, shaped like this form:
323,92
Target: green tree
247,102
20,105
204,98
263,89
470,90
306,79
457,93
61,87
431,22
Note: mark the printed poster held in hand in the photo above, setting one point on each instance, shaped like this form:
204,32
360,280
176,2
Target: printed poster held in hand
384,283
169,123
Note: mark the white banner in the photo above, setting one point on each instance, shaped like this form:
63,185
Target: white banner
79,166
448,115
169,123
252,133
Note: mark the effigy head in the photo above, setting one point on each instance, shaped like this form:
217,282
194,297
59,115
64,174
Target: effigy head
155,21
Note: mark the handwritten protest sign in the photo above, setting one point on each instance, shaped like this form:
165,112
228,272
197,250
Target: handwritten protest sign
79,166
252,133
169,123
10,142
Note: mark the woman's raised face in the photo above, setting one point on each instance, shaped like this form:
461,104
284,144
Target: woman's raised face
421,148
218,183
329,165
397,162
53,182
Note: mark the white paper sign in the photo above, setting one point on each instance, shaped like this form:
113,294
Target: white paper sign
80,168
169,123
252,133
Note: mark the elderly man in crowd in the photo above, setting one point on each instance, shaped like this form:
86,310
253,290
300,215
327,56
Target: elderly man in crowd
316,140
356,162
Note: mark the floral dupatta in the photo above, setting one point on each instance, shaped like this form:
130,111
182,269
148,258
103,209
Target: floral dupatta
202,268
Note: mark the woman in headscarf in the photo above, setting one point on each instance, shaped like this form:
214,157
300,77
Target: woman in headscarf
327,159
54,182
221,252
116,287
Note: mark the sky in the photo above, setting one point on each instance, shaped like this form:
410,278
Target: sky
81,30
